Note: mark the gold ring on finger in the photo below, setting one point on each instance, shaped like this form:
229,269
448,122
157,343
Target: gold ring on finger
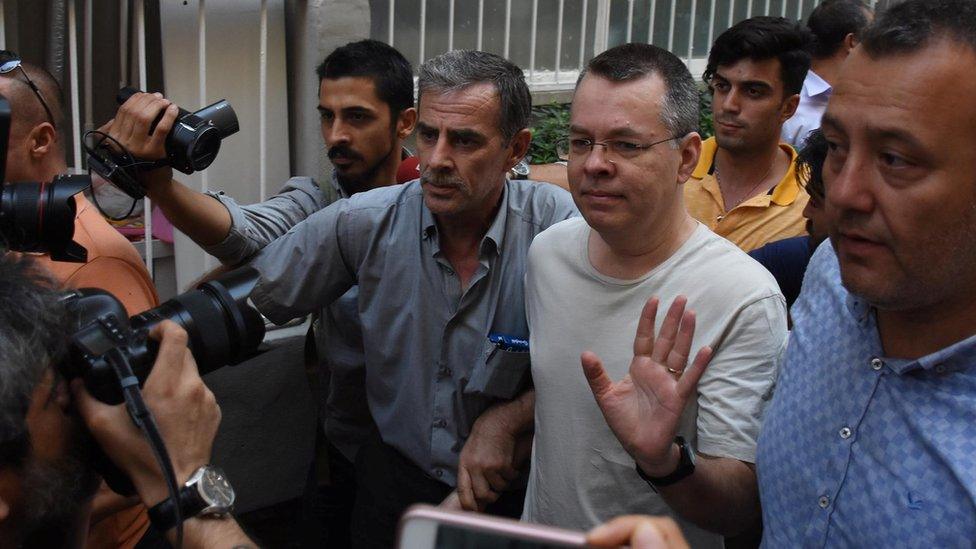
673,371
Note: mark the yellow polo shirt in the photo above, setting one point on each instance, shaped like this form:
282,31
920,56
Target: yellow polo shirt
765,218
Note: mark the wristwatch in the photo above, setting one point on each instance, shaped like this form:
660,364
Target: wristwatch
686,466
207,494
520,170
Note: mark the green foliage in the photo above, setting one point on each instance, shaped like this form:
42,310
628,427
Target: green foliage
550,123
705,123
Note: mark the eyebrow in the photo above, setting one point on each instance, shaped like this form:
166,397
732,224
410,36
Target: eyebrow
615,132
347,110
752,83
831,122
459,133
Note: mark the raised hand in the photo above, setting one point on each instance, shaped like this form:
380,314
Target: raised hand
644,408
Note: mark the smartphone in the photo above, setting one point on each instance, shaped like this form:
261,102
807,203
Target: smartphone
426,527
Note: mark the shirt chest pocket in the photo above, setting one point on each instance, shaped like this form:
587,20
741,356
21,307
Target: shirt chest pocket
502,374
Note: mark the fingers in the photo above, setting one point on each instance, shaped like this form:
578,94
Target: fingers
596,376
669,329
496,481
644,340
91,409
464,491
640,532
174,362
134,124
483,494
158,139
689,380
678,356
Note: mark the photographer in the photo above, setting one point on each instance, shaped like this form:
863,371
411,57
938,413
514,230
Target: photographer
46,475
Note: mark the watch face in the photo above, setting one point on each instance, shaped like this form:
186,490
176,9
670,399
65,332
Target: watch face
215,488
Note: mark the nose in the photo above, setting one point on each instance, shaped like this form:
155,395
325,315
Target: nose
849,186
336,133
439,155
730,102
597,163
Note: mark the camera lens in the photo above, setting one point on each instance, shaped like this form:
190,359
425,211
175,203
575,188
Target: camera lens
40,217
222,328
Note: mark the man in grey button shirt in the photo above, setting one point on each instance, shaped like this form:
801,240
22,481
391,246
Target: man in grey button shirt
366,107
440,265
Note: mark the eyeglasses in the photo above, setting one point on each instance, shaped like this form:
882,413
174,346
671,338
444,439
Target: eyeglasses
10,61
577,148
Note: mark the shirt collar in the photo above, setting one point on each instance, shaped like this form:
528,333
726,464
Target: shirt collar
814,85
958,356
784,193
339,189
496,232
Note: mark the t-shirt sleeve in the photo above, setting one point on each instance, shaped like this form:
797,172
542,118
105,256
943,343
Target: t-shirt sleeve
310,266
737,386
124,281
254,226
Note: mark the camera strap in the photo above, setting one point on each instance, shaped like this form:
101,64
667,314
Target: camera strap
144,420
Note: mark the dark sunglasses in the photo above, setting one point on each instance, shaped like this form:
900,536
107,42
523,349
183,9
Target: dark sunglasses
10,61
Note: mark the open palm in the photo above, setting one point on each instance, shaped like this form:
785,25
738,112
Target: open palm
644,408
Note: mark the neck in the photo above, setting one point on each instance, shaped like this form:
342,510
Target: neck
742,170
631,254
913,334
827,67
387,171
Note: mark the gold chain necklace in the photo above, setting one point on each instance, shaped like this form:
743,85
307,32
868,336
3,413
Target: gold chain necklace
745,196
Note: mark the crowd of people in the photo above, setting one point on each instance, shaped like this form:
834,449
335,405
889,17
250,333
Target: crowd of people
763,335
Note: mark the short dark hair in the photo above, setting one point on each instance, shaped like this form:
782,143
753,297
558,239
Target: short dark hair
32,338
390,72
459,69
679,110
912,25
761,38
25,105
810,161
832,21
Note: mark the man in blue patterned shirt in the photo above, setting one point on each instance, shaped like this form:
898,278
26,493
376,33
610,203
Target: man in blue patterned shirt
871,437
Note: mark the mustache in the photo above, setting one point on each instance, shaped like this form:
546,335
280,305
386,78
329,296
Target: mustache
441,179
343,151
729,120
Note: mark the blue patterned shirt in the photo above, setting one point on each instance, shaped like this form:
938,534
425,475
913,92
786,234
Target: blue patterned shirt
859,449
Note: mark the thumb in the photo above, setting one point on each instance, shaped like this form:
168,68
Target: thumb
596,376
87,406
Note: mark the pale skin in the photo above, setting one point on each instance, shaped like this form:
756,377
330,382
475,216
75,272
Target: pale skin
638,532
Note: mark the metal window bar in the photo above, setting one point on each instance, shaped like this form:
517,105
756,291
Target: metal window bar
766,9
262,102
3,26
671,28
630,20
423,29
532,39
748,9
450,25
481,21
389,25
559,39
508,26
691,30
782,10
711,22
140,24
582,36
74,89
731,12
650,23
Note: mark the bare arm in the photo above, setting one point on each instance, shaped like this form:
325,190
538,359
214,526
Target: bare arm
500,441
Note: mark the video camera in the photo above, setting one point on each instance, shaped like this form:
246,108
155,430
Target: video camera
222,328
191,145
39,216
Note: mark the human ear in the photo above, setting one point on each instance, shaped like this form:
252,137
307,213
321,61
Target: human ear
520,147
690,148
406,121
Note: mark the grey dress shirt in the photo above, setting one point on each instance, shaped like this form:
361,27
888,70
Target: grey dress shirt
430,369
338,333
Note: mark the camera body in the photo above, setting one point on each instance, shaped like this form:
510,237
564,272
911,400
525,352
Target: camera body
191,145
222,329
37,216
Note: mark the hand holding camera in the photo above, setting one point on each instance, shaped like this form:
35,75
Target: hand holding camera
185,410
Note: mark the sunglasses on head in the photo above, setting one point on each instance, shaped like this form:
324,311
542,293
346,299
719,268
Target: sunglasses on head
10,61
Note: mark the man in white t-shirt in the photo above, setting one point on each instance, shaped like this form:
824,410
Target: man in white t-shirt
632,145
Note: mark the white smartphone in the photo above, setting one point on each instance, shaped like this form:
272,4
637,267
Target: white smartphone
426,527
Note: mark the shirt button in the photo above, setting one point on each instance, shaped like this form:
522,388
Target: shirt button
876,363
845,433
440,423
438,473
823,502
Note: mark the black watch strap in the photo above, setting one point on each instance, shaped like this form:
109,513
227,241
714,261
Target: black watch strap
686,466
163,514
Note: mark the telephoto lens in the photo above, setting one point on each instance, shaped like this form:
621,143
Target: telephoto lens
222,328
40,217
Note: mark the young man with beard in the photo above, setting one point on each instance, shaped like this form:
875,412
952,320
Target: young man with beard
366,109
46,477
745,186
440,265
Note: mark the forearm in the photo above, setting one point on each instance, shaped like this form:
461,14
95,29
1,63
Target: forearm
722,495
516,417
204,219
210,533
